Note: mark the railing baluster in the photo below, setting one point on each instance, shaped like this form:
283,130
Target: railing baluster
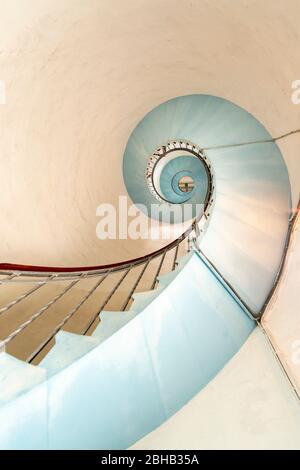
38,313
135,286
41,275
175,257
158,270
8,278
105,302
25,295
62,323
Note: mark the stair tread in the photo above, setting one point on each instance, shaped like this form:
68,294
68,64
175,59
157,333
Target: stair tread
184,259
110,323
166,278
142,299
17,377
68,347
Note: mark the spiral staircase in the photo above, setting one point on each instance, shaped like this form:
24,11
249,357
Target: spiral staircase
183,347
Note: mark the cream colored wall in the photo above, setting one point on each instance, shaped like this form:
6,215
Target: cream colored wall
281,320
248,405
79,76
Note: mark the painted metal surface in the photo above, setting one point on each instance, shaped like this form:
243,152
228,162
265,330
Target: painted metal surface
68,348
174,170
159,361
248,223
17,377
248,405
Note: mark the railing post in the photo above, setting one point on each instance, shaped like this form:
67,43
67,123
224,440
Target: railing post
66,319
107,299
158,270
135,286
175,257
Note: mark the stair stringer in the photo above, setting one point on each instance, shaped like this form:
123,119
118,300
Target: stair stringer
127,386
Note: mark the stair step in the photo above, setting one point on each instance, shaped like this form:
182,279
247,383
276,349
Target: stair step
110,323
165,279
142,299
68,347
151,367
17,377
184,259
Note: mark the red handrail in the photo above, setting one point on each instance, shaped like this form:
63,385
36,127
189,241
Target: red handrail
105,267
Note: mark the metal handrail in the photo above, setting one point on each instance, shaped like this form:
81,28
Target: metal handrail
8,278
24,296
158,270
172,146
135,286
70,314
225,283
44,275
17,270
175,258
292,223
42,310
41,276
107,299
253,315
13,270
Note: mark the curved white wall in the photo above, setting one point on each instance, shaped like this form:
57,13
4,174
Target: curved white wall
281,320
80,75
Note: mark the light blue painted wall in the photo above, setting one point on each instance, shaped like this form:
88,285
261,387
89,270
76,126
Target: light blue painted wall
201,119
176,169
140,376
131,383
248,223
